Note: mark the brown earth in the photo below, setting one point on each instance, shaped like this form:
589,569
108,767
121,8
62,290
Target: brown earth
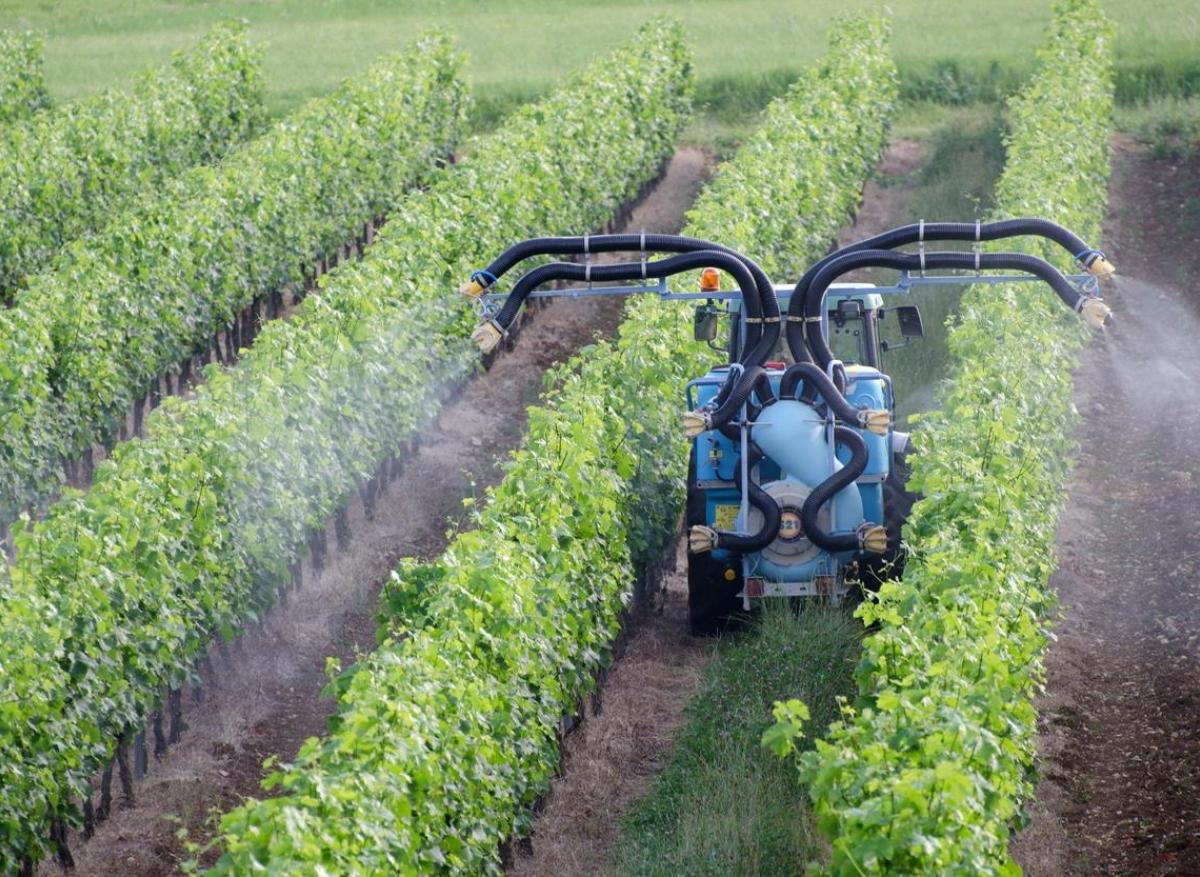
265,699
610,761
887,195
1119,732
625,739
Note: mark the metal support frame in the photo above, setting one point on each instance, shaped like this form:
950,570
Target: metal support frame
486,306
1085,283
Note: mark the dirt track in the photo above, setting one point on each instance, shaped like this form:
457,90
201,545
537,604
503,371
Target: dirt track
614,755
1119,736
265,700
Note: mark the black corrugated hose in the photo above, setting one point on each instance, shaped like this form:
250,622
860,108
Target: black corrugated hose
829,488
813,300
918,232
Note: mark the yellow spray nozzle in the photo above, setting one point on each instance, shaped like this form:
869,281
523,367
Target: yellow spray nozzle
1096,313
1102,268
873,538
695,422
701,539
875,420
487,336
472,289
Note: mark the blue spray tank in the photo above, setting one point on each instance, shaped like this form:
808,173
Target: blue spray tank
796,437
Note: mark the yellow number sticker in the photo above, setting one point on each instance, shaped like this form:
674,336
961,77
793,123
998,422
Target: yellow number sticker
726,517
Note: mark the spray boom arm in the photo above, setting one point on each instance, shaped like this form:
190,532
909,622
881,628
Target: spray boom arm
760,312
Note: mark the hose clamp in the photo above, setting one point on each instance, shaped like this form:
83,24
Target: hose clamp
484,278
736,370
587,261
977,246
483,308
921,244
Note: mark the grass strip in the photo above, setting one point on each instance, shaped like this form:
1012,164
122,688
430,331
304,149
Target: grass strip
721,806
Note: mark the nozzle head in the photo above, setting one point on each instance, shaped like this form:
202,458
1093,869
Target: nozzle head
701,539
696,422
872,538
487,336
1101,267
875,420
472,289
1096,313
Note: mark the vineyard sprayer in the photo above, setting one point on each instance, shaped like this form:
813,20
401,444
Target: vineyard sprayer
796,480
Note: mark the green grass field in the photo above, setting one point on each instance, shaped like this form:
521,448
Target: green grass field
746,49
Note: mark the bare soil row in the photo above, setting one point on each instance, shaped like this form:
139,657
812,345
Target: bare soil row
1119,730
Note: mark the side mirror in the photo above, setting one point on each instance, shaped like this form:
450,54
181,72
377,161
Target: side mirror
848,309
705,326
909,317
911,328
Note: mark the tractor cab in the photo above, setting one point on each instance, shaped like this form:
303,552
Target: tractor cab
856,322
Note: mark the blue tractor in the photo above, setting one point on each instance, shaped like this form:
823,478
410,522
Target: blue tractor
796,476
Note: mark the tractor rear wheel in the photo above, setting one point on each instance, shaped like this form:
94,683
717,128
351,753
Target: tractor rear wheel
713,600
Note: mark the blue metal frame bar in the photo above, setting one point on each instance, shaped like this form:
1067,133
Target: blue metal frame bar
596,291
906,283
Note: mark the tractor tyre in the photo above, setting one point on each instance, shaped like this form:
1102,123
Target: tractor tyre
897,503
713,601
